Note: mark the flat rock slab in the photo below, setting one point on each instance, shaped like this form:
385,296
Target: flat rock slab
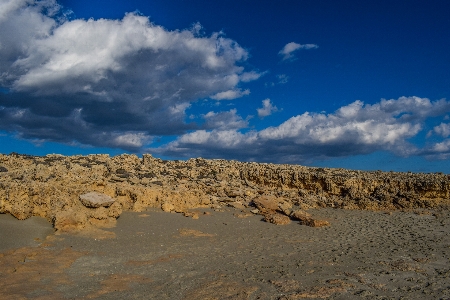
96,199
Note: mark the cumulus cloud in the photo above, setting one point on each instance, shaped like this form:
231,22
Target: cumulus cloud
353,129
267,109
440,149
442,129
224,120
290,48
230,94
250,76
123,80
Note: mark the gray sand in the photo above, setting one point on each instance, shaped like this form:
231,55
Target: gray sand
157,255
16,234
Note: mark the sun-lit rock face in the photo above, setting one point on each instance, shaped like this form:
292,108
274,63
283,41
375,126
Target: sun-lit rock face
51,187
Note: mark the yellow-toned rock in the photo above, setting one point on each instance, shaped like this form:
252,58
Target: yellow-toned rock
266,203
96,199
69,220
277,219
167,207
50,187
315,223
301,215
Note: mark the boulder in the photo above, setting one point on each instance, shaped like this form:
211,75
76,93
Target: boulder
285,207
96,199
306,219
266,203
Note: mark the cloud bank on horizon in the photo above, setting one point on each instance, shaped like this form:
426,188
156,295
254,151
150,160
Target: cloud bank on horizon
351,130
123,83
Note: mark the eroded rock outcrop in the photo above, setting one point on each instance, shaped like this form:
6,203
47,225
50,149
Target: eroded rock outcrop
51,187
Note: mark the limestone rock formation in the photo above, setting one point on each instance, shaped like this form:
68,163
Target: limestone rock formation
51,186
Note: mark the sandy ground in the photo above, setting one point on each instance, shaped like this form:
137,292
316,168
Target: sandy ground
231,255
30,232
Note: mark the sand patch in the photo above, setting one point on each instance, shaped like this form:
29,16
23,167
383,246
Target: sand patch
119,283
221,289
90,232
193,232
30,272
162,259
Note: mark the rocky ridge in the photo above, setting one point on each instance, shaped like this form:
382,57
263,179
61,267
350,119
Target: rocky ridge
51,187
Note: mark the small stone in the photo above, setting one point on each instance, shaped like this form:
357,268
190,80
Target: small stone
96,199
193,215
236,205
300,215
277,219
315,223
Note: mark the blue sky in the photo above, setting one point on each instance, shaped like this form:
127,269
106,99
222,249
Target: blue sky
352,84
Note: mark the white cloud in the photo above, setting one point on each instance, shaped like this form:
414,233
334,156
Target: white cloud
282,78
133,140
267,109
124,79
224,120
250,76
230,94
352,129
100,51
290,48
439,150
442,129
